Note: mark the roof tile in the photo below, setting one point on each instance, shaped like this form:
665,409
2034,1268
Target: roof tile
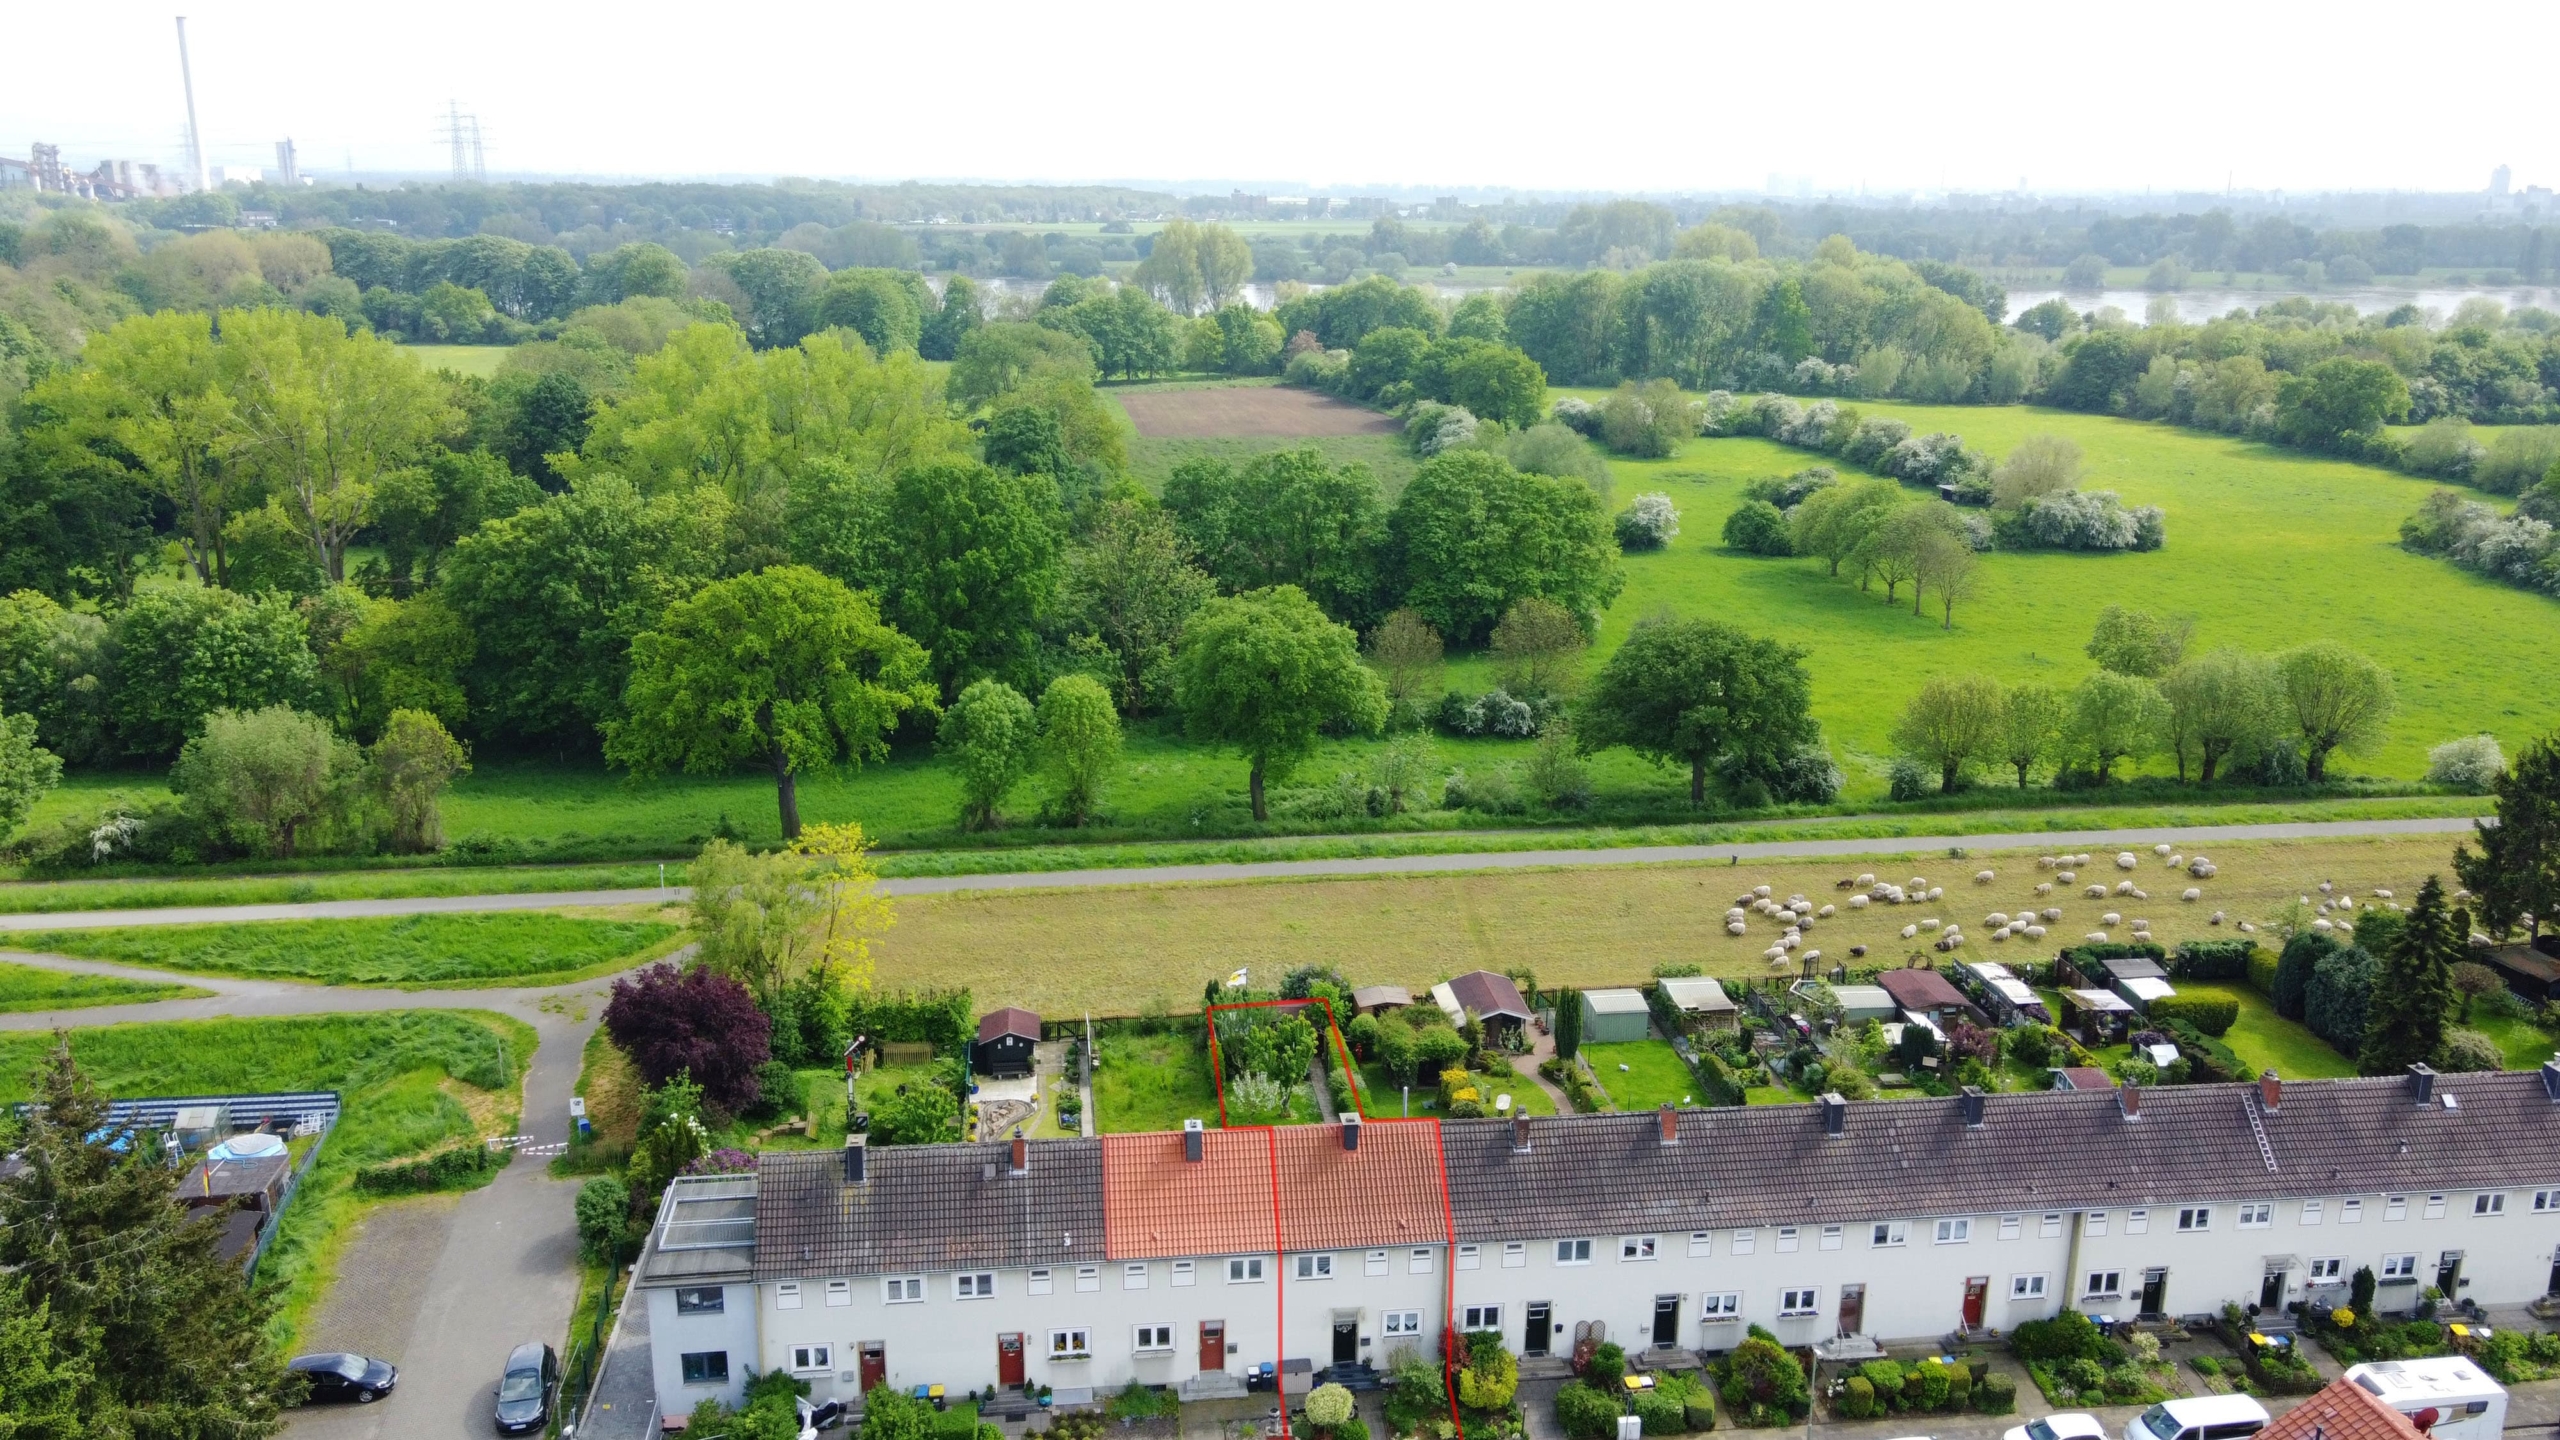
1387,1192
1159,1204
2341,1411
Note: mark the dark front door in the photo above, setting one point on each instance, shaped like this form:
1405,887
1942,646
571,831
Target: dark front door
2449,1272
1853,1309
2155,1292
1666,1321
1533,1340
875,1364
1346,1341
2271,1292
1977,1291
1009,1360
1213,1345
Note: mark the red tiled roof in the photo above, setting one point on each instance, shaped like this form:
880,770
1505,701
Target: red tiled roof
1011,1020
1922,990
2343,1411
1387,1192
1155,1203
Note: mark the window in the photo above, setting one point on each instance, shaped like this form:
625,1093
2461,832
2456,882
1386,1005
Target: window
2009,1226
1401,1322
2546,1201
2312,1210
2026,1287
2395,1207
1088,1279
2195,1217
1419,1261
1470,1257
2350,1212
1573,1252
1074,1344
1480,1317
1954,1232
2103,1285
1152,1337
2094,1223
2399,1267
2137,1222
1701,1242
706,1367
1726,1305
1245,1270
1041,1283
1743,1240
902,1290
1183,1273
1133,1277
786,1296
2051,1226
1315,1267
1831,1237
1787,1241
978,1285
1515,1253
2435,1207
1376,1263
1636,1247
1793,1303
808,1358
2489,1204
2257,1215
709,1301
1888,1234
2326,1270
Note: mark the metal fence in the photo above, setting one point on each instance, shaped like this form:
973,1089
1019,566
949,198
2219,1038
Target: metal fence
587,1336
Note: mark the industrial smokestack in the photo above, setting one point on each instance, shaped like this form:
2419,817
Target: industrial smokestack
195,137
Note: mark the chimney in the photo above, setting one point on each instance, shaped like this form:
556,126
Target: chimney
1670,1123
2551,1077
1191,1133
1520,1127
1351,1131
2271,1091
1835,1114
2422,1084
2129,1099
1021,1154
857,1155
1970,1101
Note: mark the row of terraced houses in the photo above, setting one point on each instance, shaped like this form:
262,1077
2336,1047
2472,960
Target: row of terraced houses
1192,1258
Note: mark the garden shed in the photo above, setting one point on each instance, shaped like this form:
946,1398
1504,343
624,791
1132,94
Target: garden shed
1700,1002
1861,1003
2098,1017
2527,970
1006,1039
2010,1000
2141,990
1376,999
1490,1000
1613,1016
1927,993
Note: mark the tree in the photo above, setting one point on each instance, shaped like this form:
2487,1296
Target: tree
1697,690
1491,380
695,1023
1952,724
413,762
2404,1025
2515,872
1191,264
1568,1024
2340,997
27,771
971,555
1946,563
2130,642
992,361
263,778
2340,403
2031,722
944,329
2337,700
1472,536
1538,647
1263,672
780,290
1756,528
1835,522
2113,717
152,398
2295,965
785,666
988,735
1406,651
1132,584
404,655
183,651
1286,518
874,305
2043,464
51,661
152,1332
2220,705
1079,743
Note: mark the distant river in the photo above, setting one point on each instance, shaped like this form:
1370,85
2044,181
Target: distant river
2203,303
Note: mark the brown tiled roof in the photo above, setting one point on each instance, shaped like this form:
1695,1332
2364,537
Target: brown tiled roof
1158,1203
1011,1020
1372,995
1387,1192
1922,990
927,1207
1482,993
2059,1149
2341,1411
2088,1077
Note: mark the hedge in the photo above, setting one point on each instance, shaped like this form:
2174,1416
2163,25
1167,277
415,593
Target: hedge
2263,966
1716,1082
2081,955
1995,1394
944,1019
459,1168
1585,1413
2208,1059
2212,960
2212,1014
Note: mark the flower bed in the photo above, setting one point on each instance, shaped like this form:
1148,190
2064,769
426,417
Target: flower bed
1931,1386
2274,1366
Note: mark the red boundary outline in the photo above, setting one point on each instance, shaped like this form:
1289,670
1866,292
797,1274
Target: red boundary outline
1359,1106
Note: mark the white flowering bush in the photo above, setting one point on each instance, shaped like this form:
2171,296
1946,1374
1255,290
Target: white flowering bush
1578,415
1649,523
2083,520
2472,763
2518,549
1432,427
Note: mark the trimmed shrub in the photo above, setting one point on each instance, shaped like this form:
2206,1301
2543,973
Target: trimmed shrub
1857,1399
1607,1367
2341,994
1586,1413
2212,1014
1995,1394
2212,960
2301,956
459,1168
2068,1336
1328,1405
604,1203
1661,1414
2262,972
1756,528
2471,764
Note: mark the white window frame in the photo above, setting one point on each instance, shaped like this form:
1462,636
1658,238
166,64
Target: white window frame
2257,1214
2351,1210
1634,1248
902,1290
1744,1241
1954,1230
1797,1301
2313,1212
1832,1237
2103,1285
1088,1279
2326,1270
2488,1203
1888,1235
2395,1207
2546,1201
839,1293
2195,1219
1375,1263
2435,1207
1790,1240
1702,1243
1150,1337
2050,1228
2398,1267
974,1285
2028,1287
1470,1257
1185,1273
1041,1282
1418,1261
786,1295
813,1359
1475,1318
1133,1277
1244,1270
1573,1252
1515,1254
689,1300
2137,1222
1312,1267
2009,1225
1073,1342
2094,1223
1400,1322
1720,1305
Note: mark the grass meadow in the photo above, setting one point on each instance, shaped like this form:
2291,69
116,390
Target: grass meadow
477,362
1655,1075
1151,1082
24,987
505,948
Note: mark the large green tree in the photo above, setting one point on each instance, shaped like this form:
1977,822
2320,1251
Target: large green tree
1692,691
1286,518
153,400
990,736
2515,872
2404,1025
2113,717
1131,584
1079,743
1953,723
2338,700
1472,536
1263,673
784,666
27,771
2221,704
183,651
970,565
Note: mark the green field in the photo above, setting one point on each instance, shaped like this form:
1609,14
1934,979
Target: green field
24,987
62,897
476,361
447,950
1654,1076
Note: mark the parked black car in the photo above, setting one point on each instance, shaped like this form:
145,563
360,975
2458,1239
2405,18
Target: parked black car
340,1376
526,1388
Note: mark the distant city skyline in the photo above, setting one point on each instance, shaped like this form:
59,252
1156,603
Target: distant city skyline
1977,97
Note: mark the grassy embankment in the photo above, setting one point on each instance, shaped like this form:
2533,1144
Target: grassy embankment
453,951
24,987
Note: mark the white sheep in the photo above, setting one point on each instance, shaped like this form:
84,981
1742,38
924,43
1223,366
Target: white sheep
1983,877
1868,879
1929,924
2124,887
2382,894
2052,912
2125,860
2111,919
2322,925
2097,937
2138,893
2177,860
2046,862
1919,882
1761,890
2345,929
2044,887
1952,939
2066,877
1812,955
1857,902
2159,849
1735,913
1937,892
2096,892
1996,917
1910,930
2217,918
2191,894
1735,927
2035,932
2248,929
2326,887
2000,934
2201,868
1827,911
2141,926
2480,941
1792,941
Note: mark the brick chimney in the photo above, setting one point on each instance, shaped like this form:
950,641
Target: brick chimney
2271,1090
1519,1134
2422,1084
1835,1114
1351,1131
1669,1118
1021,1154
1970,1101
2129,1099
1191,1135
857,1157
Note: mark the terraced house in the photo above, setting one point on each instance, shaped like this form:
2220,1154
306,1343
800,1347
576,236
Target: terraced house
1187,1259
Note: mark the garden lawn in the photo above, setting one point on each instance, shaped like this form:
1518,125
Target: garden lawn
2525,1044
1383,1099
410,1081
1151,1082
452,950
24,987
1654,1075
2266,1041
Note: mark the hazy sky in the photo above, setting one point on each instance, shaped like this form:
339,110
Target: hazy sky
1632,96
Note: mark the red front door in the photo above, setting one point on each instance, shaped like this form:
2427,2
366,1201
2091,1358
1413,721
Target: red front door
1213,1345
875,1364
1009,1359
1976,1290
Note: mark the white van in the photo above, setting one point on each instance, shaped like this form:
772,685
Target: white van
2468,1404
2203,1417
